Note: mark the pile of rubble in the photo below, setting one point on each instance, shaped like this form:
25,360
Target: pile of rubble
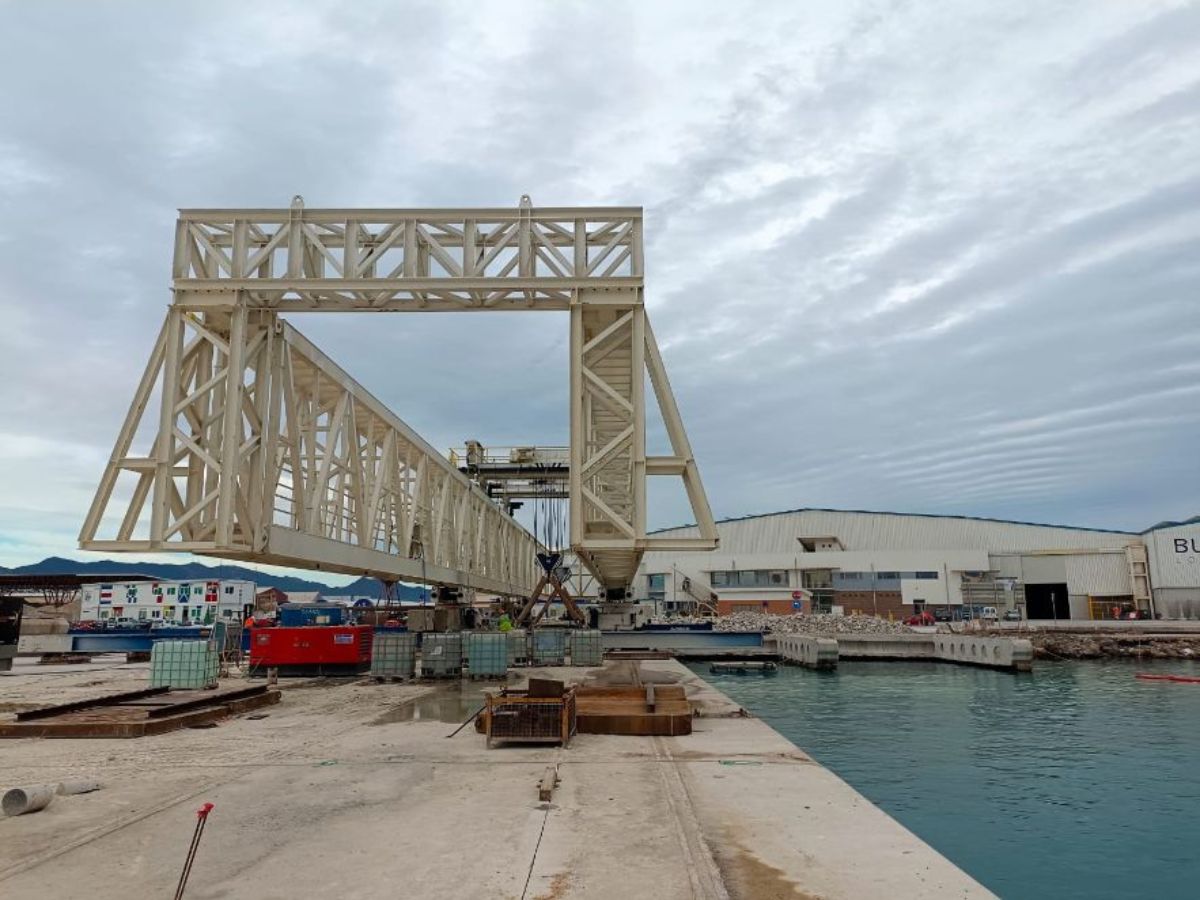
1051,645
808,624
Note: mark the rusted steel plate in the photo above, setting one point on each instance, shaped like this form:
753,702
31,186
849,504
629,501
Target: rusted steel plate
106,700
136,721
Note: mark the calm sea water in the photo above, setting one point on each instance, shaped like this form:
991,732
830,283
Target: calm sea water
1077,780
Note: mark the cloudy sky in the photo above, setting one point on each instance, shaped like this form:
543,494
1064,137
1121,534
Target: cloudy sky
901,256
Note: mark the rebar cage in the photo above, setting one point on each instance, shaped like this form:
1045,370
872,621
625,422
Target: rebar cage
515,716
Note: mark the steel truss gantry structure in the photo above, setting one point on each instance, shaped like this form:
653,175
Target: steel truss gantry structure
264,450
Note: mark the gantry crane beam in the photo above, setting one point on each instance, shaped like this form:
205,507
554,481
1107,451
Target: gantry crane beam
267,451
419,260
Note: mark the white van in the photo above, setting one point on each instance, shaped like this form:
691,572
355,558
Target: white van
989,614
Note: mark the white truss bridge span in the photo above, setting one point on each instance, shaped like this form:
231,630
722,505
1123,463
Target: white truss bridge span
263,449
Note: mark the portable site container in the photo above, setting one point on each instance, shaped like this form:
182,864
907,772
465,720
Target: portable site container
394,655
518,647
586,648
173,602
186,665
441,654
549,647
487,654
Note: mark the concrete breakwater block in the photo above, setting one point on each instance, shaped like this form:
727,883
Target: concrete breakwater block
823,653
819,653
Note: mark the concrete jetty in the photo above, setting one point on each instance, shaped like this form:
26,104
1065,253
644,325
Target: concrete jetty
350,788
1015,654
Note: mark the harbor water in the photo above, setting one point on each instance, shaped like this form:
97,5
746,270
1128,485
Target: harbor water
1075,781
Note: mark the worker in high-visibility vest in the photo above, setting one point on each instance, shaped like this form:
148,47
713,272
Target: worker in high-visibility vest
505,622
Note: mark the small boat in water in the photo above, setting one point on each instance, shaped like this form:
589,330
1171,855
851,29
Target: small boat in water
1178,679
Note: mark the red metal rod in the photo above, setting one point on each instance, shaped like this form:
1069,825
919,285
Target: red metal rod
201,819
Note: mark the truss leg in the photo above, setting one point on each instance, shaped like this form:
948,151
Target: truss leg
532,601
573,611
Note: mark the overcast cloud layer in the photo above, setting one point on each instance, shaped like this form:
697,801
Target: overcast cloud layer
901,256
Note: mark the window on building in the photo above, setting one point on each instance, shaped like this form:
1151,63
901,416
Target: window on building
656,587
229,589
170,590
198,589
750,578
851,576
816,579
887,576
820,544
926,576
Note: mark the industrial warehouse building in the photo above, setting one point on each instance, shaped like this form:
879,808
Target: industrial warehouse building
897,564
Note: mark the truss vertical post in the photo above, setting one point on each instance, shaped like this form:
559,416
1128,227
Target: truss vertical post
231,425
638,391
575,481
164,450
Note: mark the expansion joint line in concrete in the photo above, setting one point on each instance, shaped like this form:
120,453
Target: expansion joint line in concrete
533,858
541,834
704,877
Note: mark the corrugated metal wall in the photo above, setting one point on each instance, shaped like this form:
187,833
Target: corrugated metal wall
768,541
1098,574
1171,565
1045,570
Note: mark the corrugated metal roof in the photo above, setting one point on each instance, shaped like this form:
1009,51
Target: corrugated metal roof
876,512
862,530
1194,520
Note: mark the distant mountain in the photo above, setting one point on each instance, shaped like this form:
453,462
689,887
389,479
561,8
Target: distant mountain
193,571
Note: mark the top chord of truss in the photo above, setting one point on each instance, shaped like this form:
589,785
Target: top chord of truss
392,260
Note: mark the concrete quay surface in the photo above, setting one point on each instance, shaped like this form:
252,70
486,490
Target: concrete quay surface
351,789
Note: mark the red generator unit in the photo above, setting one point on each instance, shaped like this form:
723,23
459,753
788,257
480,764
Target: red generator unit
311,649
